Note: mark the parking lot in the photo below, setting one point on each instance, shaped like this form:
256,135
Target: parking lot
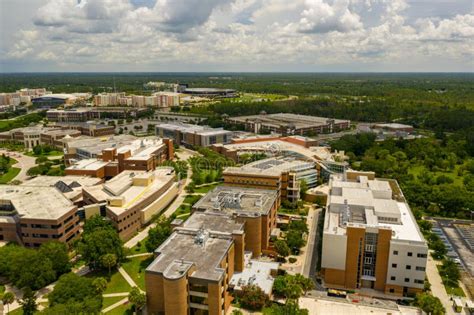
456,245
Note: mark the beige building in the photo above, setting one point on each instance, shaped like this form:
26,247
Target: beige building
132,198
32,215
257,208
280,174
210,253
370,238
106,157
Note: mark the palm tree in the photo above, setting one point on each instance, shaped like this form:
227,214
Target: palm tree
109,261
8,298
137,298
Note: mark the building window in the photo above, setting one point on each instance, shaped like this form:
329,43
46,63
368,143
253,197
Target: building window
394,265
421,255
391,290
367,260
395,252
407,279
393,278
410,254
408,267
418,268
418,281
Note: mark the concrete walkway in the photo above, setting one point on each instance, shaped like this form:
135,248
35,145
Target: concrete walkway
119,294
309,262
127,277
111,307
139,255
437,287
25,162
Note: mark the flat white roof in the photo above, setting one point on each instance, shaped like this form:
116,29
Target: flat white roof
36,202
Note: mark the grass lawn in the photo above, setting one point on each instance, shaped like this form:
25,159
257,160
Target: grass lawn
18,311
50,153
2,289
122,310
418,169
116,283
189,199
135,267
111,301
205,189
10,175
457,291
138,249
183,209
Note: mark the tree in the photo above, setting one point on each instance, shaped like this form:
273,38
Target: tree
108,261
253,298
75,292
449,271
294,239
57,253
30,269
429,304
237,312
303,188
37,150
98,239
28,302
291,307
7,299
282,248
439,249
99,284
292,286
137,298
158,234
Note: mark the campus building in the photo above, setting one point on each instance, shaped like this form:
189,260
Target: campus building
290,124
36,135
53,100
257,208
107,157
210,253
280,174
210,92
83,114
371,238
131,198
21,96
193,135
89,128
32,215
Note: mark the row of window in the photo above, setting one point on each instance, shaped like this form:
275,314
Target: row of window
408,267
417,281
410,254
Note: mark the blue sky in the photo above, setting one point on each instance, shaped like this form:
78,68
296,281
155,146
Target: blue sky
236,35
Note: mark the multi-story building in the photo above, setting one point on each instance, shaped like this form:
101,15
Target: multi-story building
257,208
75,115
36,135
210,253
21,96
105,158
290,124
32,215
132,198
107,99
370,237
193,135
281,174
89,128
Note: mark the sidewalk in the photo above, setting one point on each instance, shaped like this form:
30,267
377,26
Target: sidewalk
437,287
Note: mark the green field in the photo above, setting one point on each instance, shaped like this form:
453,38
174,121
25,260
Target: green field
11,174
418,169
116,283
135,267
125,309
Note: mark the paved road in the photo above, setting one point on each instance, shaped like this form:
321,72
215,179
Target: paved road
24,163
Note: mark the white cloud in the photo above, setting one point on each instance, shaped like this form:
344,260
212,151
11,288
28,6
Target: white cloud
238,35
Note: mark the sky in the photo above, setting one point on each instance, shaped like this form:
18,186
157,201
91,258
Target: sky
237,35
